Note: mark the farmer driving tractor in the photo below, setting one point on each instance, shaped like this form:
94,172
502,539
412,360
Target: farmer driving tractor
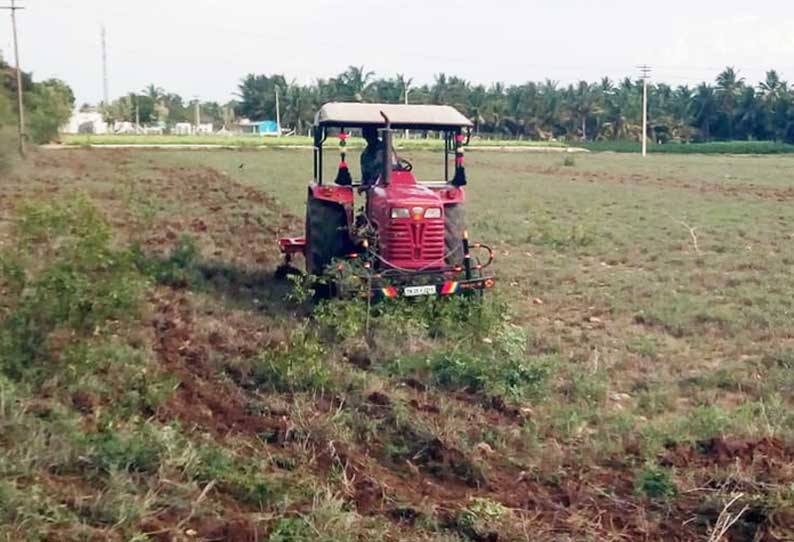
372,156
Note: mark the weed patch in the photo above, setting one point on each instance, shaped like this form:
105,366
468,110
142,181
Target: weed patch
299,365
655,482
177,270
64,281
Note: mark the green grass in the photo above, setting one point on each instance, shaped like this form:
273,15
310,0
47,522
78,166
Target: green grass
643,309
609,237
729,147
717,147
286,141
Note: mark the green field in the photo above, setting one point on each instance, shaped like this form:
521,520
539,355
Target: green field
286,141
716,147
632,373
727,147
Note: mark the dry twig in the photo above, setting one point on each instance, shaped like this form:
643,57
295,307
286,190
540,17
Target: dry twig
725,520
693,234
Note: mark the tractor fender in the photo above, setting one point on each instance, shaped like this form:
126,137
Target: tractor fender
343,195
450,195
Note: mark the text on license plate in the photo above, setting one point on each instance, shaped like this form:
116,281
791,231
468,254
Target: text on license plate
413,291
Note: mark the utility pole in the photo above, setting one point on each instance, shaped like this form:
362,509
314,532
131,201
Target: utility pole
137,115
196,113
20,105
645,70
105,92
278,114
406,91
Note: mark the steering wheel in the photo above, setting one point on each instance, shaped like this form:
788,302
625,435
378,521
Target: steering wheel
403,164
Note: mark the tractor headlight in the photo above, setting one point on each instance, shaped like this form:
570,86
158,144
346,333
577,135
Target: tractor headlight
399,212
433,212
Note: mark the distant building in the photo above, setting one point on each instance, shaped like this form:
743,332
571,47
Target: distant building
182,128
86,122
204,129
260,127
124,127
153,130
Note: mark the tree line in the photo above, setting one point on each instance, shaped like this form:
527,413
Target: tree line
48,104
730,108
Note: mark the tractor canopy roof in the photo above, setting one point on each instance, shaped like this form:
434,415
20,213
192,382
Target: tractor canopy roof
419,117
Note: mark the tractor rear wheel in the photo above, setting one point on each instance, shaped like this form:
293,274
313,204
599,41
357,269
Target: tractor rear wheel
454,225
326,234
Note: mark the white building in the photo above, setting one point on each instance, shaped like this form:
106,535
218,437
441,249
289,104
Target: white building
88,122
182,128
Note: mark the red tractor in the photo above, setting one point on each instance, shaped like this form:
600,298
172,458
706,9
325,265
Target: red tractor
408,237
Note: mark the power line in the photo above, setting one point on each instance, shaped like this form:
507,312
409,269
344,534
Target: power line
20,105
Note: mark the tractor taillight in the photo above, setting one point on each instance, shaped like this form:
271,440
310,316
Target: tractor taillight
389,292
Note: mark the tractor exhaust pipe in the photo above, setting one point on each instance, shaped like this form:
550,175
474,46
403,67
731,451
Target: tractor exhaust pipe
387,150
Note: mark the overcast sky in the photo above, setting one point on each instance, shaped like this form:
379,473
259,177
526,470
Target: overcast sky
203,47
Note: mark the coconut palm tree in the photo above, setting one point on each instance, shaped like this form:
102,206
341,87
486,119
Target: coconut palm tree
404,83
355,83
705,109
154,92
729,88
584,103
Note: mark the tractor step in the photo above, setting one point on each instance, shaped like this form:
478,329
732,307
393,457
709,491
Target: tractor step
292,245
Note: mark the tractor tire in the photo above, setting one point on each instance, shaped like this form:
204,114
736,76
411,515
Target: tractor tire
326,234
454,225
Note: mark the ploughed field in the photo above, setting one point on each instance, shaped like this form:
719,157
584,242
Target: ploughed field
632,377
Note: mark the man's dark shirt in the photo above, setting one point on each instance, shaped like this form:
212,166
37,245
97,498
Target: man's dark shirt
372,162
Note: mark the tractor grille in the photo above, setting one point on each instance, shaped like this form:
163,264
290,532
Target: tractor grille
414,245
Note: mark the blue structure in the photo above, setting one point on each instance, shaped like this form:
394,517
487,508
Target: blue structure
264,127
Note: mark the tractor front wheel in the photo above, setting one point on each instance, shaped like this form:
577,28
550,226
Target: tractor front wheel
454,225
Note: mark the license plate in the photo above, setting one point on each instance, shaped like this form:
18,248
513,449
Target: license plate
414,291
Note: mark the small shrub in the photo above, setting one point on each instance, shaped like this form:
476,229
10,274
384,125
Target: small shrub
569,161
523,379
212,463
655,482
459,370
240,477
178,270
588,389
707,422
136,451
329,520
291,530
643,345
483,519
546,231
342,319
654,400
480,371
299,365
